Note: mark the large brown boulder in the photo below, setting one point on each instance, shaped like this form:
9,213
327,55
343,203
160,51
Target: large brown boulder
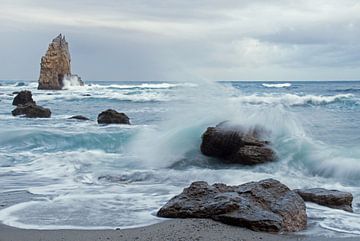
23,97
330,198
267,205
55,65
113,117
234,144
31,111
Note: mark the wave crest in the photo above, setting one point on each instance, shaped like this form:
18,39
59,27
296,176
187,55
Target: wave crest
294,100
279,85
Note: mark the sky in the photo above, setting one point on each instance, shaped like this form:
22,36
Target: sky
185,40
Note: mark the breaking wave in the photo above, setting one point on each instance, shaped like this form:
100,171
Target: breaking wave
280,85
295,100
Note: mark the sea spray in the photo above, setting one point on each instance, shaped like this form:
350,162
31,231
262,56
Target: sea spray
207,104
70,81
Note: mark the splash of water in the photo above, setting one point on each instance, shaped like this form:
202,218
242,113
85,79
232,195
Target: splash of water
71,81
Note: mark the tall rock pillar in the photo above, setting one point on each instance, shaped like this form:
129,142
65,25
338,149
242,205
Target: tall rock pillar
55,65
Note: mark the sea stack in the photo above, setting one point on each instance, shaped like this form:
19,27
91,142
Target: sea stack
56,65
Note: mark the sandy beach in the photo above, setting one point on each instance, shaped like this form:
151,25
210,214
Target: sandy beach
174,230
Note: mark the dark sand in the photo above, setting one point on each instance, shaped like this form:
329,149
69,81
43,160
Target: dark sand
184,230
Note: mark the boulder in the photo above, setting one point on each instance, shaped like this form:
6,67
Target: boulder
235,144
23,97
79,117
55,65
112,117
330,198
267,205
32,111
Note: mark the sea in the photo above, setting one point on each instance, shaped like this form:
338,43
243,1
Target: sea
82,175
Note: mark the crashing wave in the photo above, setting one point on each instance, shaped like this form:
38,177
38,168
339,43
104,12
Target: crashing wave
70,81
279,85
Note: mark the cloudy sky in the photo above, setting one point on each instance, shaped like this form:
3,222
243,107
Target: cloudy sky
185,39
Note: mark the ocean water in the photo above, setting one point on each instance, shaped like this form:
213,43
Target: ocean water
85,175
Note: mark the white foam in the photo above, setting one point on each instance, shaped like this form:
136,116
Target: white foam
279,85
71,81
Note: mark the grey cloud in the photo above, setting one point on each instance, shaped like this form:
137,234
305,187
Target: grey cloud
176,40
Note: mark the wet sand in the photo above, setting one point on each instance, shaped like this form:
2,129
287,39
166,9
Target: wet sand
174,230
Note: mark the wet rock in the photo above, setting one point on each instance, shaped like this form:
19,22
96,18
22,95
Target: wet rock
15,92
234,144
20,84
79,117
55,65
112,117
330,198
23,97
31,111
267,205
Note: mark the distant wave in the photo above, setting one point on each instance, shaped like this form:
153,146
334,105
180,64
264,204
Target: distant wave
152,86
351,90
280,85
294,100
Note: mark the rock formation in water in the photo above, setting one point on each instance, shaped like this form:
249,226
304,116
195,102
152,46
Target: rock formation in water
23,97
267,205
56,65
79,117
31,110
330,198
113,117
235,144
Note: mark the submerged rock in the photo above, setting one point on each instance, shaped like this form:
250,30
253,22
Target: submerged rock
112,117
267,205
330,198
20,84
234,144
79,117
32,111
23,97
55,65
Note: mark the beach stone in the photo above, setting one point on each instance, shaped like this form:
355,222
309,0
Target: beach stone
112,117
267,205
235,144
55,65
31,111
79,117
330,198
23,97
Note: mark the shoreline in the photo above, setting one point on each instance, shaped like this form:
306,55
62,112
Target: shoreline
174,230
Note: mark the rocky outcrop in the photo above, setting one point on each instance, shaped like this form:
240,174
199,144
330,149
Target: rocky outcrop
112,117
55,65
234,144
267,205
79,117
31,111
23,97
330,198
